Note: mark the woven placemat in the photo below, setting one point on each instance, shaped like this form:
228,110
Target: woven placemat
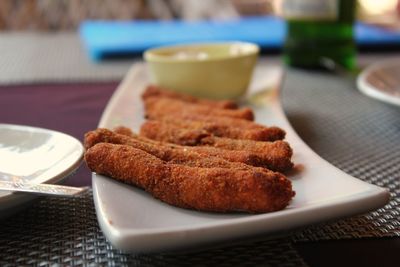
64,231
357,134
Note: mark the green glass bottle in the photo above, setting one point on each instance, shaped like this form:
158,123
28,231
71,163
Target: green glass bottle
318,30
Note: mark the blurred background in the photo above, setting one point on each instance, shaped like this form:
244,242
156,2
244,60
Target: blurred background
57,15
58,40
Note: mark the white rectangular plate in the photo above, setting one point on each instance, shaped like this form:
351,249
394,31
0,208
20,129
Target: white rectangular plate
134,221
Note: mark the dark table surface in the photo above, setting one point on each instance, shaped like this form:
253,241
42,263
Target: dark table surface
75,108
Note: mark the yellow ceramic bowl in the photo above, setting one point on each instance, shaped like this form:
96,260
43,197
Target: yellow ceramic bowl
211,70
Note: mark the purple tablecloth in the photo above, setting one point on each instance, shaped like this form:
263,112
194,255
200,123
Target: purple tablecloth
72,108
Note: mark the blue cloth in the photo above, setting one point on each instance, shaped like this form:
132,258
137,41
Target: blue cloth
119,38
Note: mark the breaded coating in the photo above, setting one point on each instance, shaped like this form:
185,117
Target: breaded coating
170,153
278,154
205,189
188,132
164,132
122,130
199,156
272,162
281,147
154,90
156,107
225,121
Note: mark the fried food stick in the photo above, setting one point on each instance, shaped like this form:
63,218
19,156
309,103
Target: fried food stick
273,155
278,153
225,121
279,146
201,156
206,189
276,147
222,125
164,132
170,153
187,132
156,107
153,90
271,162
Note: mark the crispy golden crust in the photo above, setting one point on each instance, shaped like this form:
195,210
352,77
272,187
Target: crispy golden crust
207,189
277,159
281,147
170,153
188,132
223,121
154,90
249,158
276,150
158,106
164,132
123,130
278,154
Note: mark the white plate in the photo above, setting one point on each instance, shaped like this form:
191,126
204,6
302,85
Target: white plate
36,155
134,221
381,81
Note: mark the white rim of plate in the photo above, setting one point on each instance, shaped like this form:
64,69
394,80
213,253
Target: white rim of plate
53,180
368,89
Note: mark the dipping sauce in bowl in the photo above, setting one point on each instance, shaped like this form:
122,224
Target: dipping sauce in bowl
210,70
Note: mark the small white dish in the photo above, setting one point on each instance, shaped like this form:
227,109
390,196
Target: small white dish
134,221
381,81
34,155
